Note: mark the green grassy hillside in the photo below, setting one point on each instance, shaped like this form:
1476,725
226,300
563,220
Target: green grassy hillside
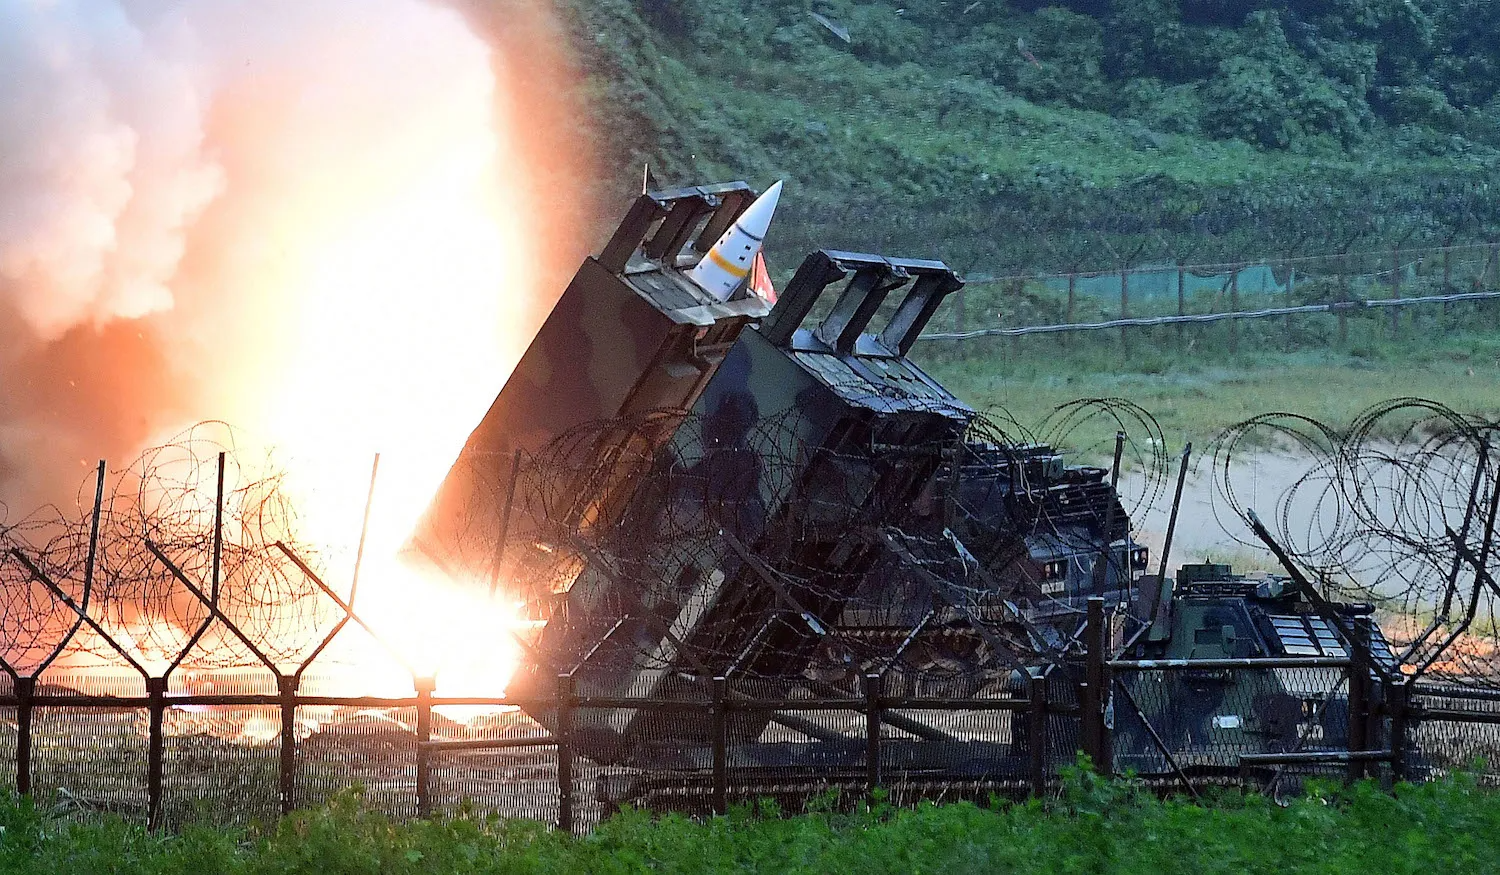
1000,135
1021,136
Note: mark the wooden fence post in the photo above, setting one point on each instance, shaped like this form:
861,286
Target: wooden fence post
564,733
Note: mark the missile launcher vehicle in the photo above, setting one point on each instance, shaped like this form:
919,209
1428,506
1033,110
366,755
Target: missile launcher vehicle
691,488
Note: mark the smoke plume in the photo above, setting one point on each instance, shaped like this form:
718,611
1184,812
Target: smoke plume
323,220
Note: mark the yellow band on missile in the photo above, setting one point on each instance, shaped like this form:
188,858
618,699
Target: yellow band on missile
733,270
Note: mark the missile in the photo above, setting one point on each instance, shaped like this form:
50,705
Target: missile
727,263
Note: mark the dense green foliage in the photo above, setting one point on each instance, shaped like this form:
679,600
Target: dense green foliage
1098,826
1019,134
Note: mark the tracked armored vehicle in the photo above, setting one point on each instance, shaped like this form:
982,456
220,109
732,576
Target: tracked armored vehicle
1216,705
700,498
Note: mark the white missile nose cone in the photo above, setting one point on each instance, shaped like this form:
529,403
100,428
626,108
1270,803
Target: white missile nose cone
726,265
757,217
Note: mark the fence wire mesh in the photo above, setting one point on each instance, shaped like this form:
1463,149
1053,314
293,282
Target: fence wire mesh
1465,738
220,764
91,759
1202,721
375,749
509,781
950,715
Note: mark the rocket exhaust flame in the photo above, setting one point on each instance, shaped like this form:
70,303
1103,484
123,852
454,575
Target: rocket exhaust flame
320,225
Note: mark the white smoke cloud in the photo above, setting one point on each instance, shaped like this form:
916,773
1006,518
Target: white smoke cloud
253,210
102,159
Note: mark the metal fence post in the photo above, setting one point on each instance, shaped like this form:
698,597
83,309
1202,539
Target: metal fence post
1106,714
1343,312
1447,284
1494,259
1072,308
564,733
1398,700
156,704
1124,309
721,745
873,711
425,687
1395,289
961,319
1234,307
1036,736
286,689
1092,697
25,689
1359,703
1291,301
1181,304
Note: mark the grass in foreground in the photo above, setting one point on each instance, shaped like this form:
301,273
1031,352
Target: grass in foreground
1097,826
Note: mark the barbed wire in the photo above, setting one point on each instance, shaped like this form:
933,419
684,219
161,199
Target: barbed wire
768,547
164,505
764,547
1397,510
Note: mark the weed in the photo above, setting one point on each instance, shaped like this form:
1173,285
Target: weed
1095,825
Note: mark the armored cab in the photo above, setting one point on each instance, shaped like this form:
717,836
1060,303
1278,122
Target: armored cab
1206,718
996,566
631,341
1053,535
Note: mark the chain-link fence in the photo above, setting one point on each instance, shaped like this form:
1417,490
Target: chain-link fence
1343,299
1182,724
936,687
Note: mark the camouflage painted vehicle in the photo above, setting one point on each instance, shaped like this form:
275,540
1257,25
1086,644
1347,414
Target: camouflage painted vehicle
1204,720
765,509
630,341
684,490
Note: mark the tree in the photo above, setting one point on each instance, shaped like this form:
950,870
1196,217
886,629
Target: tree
1272,96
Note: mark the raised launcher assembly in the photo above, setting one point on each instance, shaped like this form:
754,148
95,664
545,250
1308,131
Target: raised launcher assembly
1054,535
630,336
765,513
788,506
